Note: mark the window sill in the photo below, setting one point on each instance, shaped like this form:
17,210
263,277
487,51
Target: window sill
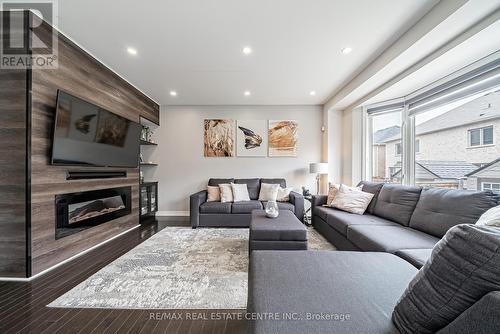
480,146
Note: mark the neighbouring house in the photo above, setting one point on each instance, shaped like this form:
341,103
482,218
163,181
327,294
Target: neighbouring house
457,149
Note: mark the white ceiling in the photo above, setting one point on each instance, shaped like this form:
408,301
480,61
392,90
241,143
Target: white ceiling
194,46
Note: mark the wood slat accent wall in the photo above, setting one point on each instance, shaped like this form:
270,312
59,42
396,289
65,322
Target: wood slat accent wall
82,75
12,169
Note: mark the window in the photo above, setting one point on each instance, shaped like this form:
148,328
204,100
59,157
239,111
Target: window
386,147
481,136
398,149
417,146
495,187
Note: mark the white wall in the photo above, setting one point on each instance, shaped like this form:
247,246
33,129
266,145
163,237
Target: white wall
183,170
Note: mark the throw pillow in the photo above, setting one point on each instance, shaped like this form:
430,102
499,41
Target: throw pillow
490,217
352,200
213,194
226,192
283,194
463,267
268,192
240,192
332,192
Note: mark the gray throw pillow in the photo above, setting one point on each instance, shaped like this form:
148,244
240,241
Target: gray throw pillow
464,266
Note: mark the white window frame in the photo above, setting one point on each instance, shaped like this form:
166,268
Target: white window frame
396,153
481,136
491,184
478,77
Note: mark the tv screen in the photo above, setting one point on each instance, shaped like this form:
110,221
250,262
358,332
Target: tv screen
88,135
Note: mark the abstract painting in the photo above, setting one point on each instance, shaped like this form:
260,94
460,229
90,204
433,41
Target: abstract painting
251,138
219,138
283,138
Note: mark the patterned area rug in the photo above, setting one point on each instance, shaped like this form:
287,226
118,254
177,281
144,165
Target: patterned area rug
177,268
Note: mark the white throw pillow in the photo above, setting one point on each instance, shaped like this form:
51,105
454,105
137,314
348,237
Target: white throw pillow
283,194
352,200
213,194
268,192
490,217
333,190
226,192
240,192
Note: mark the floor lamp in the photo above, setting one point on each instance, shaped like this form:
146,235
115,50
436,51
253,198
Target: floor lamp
318,168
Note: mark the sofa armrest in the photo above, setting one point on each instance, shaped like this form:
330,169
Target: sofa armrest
482,317
298,202
316,200
195,200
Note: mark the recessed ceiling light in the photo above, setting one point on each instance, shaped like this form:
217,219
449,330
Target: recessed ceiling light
312,93
247,93
247,50
132,51
346,50
173,93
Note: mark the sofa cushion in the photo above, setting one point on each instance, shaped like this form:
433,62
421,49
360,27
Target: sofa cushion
388,238
372,188
341,220
416,257
463,267
326,282
253,186
216,182
281,205
246,206
397,202
438,210
281,182
215,207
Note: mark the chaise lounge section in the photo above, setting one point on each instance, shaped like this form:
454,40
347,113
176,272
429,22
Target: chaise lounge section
238,214
402,220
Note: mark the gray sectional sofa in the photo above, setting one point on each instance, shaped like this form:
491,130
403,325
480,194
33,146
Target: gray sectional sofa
217,214
357,290
402,220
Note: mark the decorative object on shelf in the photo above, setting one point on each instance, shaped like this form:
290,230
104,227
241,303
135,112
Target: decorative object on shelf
141,176
272,209
145,133
305,191
251,138
283,136
141,158
219,138
318,168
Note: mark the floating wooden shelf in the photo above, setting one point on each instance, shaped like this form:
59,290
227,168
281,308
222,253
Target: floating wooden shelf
145,142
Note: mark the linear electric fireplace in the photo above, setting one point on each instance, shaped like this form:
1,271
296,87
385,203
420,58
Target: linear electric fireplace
79,211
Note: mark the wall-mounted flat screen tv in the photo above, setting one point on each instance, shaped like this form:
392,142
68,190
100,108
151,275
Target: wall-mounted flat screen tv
88,135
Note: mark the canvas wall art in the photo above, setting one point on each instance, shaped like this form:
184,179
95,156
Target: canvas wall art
219,139
283,136
251,138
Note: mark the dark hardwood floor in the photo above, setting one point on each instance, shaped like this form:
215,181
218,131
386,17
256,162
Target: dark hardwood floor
23,305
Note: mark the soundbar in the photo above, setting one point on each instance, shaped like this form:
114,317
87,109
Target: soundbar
95,174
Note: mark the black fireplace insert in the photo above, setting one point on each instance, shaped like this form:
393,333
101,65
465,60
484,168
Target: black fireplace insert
90,208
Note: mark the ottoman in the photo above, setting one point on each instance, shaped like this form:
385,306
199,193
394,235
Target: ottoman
283,233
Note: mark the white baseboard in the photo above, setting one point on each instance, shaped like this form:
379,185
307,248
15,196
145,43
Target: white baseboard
15,279
172,213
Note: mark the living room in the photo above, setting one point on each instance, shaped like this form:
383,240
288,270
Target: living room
325,166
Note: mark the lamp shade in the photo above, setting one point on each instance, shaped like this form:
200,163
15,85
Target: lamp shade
318,168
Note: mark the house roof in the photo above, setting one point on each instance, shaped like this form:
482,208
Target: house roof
448,169
484,108
381,136
444,169
477,170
